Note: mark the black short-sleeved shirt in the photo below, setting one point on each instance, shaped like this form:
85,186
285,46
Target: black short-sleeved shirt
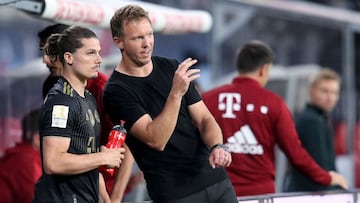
183,167
67,114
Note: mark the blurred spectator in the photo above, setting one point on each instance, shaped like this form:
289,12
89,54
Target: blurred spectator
20,168
52,63
314,130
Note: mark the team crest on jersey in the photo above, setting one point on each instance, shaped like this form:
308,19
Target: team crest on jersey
60,114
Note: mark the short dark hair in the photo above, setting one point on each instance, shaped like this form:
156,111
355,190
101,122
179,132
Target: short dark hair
30,125
253,55
68,41
45,33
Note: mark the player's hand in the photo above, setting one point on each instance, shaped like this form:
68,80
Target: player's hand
113,157
219,157
183,76
337,179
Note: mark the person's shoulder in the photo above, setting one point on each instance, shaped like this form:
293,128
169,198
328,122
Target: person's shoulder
59,99
61,94
116,78
97,85
21,149
308,115
102,78
270,95
116,83
215,91
162,58
165,60
56,90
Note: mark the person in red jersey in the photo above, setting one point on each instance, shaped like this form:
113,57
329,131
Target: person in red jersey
20,168
253,120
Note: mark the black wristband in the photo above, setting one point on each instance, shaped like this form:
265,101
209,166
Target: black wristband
219,146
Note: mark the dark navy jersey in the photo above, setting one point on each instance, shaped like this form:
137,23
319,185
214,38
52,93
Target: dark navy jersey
66,114
183,167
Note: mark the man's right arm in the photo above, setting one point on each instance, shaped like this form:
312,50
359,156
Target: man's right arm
156,132
57,159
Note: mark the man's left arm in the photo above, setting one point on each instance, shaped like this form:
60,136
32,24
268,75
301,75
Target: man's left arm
211,134
122,176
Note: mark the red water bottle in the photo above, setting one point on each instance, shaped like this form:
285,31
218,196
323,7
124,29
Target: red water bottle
116,140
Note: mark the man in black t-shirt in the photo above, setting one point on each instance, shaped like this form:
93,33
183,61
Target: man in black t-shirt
171,134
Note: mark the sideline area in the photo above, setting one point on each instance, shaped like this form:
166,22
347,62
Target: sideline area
351,196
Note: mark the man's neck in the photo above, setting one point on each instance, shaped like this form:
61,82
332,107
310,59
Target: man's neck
132,69
76,83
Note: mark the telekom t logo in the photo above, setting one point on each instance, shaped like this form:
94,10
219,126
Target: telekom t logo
229,102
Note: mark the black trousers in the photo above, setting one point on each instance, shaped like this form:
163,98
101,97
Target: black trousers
221,192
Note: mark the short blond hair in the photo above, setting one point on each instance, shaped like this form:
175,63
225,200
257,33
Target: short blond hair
126,14
324,74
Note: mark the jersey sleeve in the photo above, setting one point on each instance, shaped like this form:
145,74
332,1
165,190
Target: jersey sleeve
192,95
290,144
58,115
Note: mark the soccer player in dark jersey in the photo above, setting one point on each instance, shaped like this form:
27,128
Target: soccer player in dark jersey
253,120
70,125
95,87
171,134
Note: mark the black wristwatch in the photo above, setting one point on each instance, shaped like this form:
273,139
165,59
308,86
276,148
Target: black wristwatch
226,148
